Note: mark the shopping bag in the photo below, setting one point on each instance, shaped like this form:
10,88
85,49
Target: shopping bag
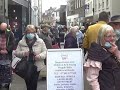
25,69
15,61
55,46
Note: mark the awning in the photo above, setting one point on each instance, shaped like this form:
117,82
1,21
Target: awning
22,2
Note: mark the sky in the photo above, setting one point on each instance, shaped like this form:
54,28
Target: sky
46,4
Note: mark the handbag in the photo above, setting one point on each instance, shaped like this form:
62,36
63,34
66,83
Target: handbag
55,46
25,69
15,61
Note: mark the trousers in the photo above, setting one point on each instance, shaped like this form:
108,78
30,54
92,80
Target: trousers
32,83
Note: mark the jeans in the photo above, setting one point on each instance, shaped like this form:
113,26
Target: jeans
32,83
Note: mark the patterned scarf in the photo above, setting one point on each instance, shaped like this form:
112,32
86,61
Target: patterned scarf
2,42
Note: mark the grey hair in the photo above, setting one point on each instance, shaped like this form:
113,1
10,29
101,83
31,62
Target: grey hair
73,29
102,32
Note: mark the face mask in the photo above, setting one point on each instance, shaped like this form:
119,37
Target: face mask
77,33
117,31
30,36
107,45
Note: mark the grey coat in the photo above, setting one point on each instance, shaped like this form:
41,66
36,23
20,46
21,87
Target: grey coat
47,39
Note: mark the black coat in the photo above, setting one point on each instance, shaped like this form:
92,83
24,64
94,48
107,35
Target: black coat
109,76
118,43
70,41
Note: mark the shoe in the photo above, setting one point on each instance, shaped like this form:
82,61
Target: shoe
43,78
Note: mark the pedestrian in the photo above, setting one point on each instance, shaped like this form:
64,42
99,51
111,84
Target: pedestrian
115,23
92,31
46,35
7,42
70,39
82,29
31,39
65,29
55,33
103,62
79,36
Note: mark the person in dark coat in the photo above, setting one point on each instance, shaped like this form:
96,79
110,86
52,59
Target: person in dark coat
103,62
70,39
7,42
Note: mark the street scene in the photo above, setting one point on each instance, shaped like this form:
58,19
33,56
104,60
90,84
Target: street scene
59,45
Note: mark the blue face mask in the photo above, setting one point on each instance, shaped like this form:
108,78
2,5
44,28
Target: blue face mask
107,45
117,31
30,36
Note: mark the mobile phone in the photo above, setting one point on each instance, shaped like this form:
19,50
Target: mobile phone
108,45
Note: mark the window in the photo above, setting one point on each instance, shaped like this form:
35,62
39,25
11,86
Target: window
56,14
91,7
79,3
102,4
99,5
107,3
95,5
75,4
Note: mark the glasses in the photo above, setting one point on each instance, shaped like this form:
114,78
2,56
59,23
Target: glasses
109,36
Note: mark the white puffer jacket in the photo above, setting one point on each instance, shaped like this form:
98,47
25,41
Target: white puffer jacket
39,48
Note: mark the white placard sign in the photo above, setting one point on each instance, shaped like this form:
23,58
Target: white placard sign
65,69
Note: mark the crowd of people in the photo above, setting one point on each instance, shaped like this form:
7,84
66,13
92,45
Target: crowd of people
100,41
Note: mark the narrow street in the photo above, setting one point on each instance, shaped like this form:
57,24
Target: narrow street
19,84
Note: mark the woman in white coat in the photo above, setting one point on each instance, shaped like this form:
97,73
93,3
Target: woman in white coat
31,39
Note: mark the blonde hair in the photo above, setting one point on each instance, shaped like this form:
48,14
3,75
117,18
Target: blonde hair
102,32
30,27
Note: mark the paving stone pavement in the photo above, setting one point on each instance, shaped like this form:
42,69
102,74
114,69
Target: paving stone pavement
19,84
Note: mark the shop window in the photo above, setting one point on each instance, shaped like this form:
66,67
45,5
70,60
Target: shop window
107,3
103,4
